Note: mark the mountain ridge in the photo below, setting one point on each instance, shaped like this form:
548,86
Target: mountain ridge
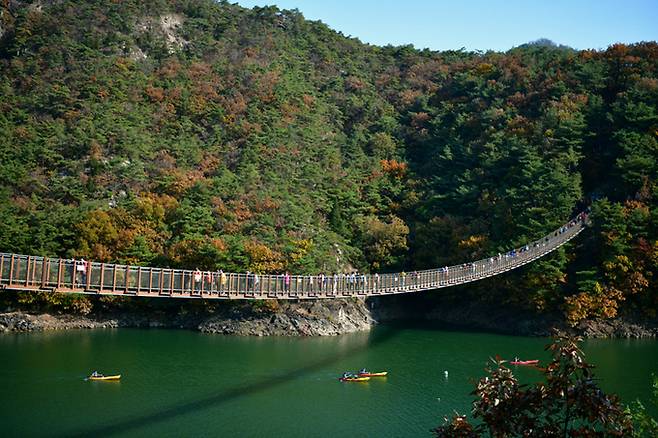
202,134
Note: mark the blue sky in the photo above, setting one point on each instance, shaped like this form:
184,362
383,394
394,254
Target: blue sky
483,25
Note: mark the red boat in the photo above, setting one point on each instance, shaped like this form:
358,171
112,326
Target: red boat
524,362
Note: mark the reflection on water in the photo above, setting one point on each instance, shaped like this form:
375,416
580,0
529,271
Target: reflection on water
181,383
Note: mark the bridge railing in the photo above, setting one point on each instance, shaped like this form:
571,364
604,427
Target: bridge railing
37,273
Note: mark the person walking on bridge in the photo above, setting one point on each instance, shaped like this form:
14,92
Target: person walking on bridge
197,281
81,270
222,281
286,281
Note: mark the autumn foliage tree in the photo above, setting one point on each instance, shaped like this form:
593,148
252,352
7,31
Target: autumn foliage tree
382,240
124,141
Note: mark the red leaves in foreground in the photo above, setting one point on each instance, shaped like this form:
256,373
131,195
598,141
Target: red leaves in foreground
568,404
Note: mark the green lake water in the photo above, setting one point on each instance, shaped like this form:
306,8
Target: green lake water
183,383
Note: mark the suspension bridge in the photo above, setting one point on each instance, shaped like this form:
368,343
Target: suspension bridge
44,274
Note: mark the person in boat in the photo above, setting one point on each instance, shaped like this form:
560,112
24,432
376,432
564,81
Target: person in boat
363,371
96,374
346,375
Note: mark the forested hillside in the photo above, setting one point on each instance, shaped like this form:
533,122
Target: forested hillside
202,134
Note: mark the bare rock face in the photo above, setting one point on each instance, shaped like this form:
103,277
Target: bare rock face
136,54
305,318
15,321
616,328
167,26
23,322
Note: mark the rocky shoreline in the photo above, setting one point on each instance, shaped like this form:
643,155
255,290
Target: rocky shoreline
618,328
303,318
524,323
332,318
492,318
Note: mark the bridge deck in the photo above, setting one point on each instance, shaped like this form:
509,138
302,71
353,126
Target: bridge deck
42,274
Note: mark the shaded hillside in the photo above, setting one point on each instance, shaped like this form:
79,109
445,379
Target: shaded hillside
201,134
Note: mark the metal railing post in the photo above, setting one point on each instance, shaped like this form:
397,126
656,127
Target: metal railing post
101,281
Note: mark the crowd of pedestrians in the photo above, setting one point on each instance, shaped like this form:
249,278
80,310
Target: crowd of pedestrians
221,283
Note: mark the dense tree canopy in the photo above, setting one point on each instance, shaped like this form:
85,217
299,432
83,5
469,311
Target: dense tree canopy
196,133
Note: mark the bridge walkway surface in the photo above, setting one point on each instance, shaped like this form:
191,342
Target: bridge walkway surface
43,274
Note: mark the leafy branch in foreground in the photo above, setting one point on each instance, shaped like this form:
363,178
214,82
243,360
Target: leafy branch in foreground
568,403
645,425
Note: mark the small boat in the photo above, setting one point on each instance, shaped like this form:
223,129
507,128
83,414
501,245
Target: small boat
354,379
102,377
369,374
524,362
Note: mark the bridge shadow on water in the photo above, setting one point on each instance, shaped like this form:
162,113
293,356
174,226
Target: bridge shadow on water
229,394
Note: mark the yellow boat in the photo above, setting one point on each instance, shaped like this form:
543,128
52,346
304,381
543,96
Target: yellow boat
354,379
102,377
368,374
